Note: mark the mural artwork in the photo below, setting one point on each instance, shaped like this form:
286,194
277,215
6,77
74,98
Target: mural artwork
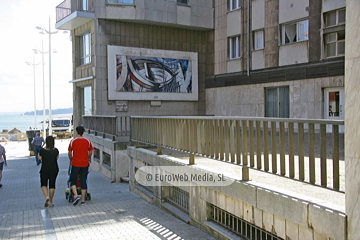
153,74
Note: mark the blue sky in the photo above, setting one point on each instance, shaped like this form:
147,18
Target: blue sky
18,19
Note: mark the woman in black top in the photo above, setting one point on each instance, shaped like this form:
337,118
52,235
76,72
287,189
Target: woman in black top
49,169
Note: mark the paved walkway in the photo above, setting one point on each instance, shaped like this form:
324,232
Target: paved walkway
112,213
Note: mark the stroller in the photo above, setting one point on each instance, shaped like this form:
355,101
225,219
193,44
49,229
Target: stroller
69,194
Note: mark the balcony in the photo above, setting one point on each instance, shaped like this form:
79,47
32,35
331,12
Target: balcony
71,14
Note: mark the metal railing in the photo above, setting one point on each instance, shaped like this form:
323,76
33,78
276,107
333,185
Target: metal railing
239,226
299,149
67,7
177,197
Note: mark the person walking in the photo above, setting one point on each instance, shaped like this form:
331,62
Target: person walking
38,142
49,170
2,161
79,152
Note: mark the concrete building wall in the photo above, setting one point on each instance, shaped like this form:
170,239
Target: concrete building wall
221,42
352,130
258,14
271,33
154,37
290,10
199,14
306,98
258,59
329,5
294,53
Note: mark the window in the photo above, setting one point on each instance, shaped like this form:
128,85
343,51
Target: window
234,47
87,101
84,5
295,32
234,4
334,18
277,102
258,39
85,49
120,1
335,44
182,2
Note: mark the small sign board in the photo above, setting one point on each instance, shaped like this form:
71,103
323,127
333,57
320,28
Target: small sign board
121,106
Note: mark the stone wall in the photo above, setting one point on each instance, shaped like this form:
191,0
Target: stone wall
283,214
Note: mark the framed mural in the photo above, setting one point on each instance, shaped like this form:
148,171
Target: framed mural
150,74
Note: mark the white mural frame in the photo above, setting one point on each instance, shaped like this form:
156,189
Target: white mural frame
113,94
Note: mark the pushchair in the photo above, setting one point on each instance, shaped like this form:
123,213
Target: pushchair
69,194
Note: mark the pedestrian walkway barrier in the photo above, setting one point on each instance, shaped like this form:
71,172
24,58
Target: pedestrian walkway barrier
299,149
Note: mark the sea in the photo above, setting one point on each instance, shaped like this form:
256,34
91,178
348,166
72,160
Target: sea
21,122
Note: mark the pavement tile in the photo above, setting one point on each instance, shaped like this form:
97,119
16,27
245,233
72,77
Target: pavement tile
112,213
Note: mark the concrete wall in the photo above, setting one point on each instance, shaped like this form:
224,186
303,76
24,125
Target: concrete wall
119,159
306,98
352,130
221,43
152,37
258,59
294,53
107,32
290,10
258,14
198,15
276,212
329,5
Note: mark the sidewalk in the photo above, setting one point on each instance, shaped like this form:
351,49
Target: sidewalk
112,213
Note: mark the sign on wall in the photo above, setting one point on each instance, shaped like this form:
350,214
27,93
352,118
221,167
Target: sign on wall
149,74
121,106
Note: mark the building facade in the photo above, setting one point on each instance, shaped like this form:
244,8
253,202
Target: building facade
291,64
174,38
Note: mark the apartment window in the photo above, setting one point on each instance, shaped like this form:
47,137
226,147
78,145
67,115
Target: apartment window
120,1
87,100
258,39
277,102
182,2
234,47
335,44
85,49
334,18
295,32
234,4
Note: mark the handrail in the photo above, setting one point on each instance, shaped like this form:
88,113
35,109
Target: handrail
286,147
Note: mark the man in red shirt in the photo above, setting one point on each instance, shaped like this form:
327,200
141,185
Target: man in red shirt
79,152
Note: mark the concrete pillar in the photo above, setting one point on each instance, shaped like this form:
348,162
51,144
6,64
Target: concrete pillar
352,118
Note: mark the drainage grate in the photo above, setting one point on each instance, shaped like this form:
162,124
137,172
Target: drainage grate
239,226
178,197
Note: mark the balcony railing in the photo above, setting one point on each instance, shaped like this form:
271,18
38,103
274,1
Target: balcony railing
109,126
299,149
67,7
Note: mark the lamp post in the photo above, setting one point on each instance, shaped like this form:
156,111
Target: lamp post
49,33
34,64
36,51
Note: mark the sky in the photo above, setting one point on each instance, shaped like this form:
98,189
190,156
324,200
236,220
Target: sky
18,36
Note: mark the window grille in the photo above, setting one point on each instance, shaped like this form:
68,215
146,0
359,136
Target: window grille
96,154
106,159
239,226
177,197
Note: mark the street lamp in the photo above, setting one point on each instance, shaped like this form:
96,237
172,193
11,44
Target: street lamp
36,51
34,64
49,32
